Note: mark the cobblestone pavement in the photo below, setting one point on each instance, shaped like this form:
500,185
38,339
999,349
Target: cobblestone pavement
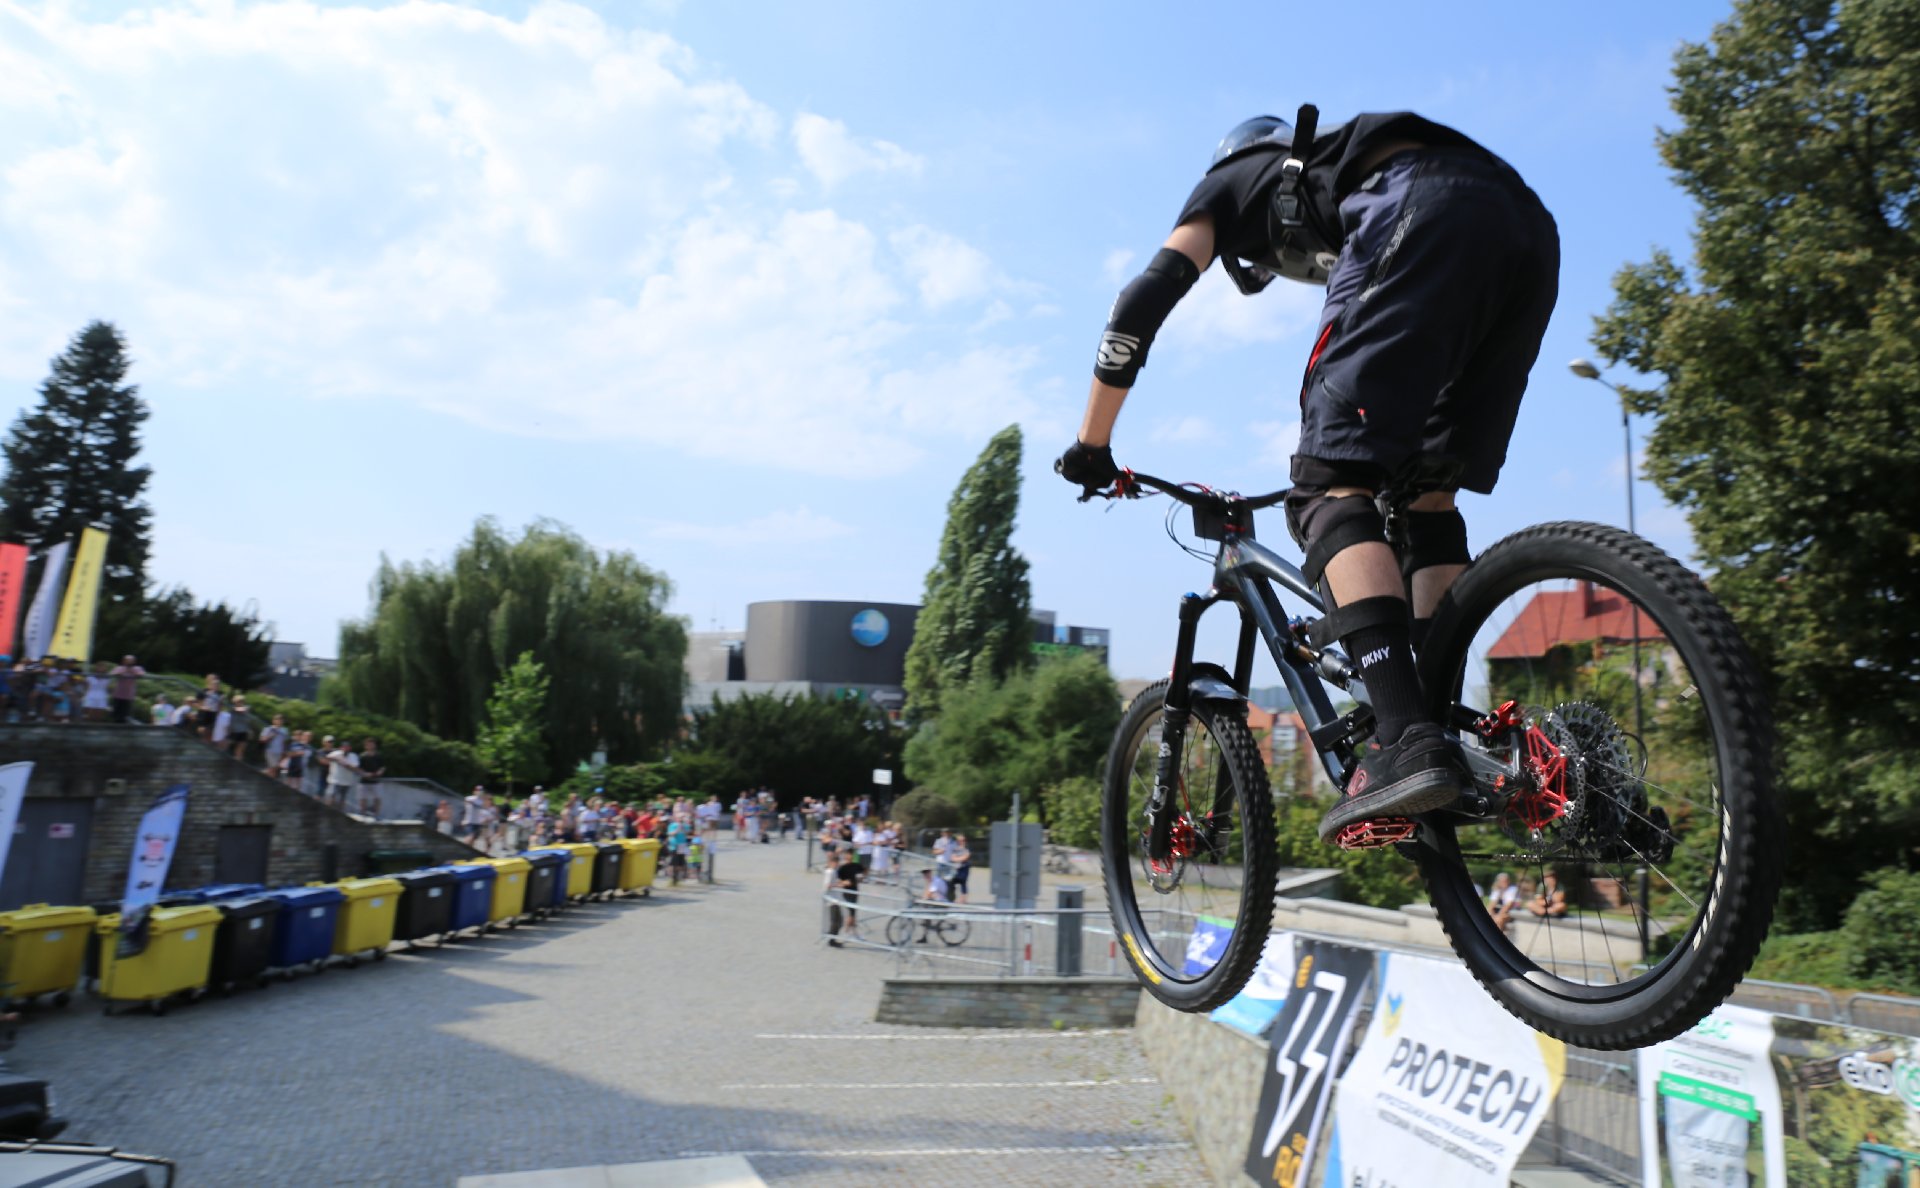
700,1021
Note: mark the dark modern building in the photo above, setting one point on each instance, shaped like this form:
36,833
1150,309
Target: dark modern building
832,649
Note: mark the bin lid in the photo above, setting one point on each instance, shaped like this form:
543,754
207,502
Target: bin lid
548,857
248,906
642,843
604,846
506,867
306,896
177,919
367,888
38,915
477,873
434,876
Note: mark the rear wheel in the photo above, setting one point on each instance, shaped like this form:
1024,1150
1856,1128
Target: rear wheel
1220,864
954,931
1629,750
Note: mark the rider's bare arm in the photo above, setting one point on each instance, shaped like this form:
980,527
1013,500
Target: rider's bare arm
1194,240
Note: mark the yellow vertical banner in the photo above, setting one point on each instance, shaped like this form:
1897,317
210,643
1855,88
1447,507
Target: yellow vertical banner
73,634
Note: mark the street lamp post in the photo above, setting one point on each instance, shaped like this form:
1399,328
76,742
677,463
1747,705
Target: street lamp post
1586,370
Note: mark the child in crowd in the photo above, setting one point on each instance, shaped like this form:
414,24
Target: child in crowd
696,854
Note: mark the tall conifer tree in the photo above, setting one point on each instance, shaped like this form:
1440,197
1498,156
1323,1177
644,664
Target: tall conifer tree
70,464
977,617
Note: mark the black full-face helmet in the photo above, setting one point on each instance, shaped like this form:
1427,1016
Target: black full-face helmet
1297,251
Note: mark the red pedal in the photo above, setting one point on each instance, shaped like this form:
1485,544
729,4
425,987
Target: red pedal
1371,835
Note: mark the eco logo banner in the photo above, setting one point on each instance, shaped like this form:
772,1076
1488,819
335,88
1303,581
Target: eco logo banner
1309,1037
1447,1088
1850,1102
46,601
1710,1107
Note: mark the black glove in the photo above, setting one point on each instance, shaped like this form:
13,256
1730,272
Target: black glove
1089,467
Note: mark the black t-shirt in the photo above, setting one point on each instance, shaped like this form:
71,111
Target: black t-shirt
1236,194
848,874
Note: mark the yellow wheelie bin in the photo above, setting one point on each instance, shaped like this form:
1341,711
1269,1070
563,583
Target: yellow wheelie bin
643,861
42,951
177,959
579,868
366,918
509,889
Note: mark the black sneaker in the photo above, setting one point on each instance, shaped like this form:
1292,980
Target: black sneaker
1417,773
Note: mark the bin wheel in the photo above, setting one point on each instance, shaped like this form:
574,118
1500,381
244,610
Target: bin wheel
379,954
262,982
157,1007
353,962
647,893
62,999
226,989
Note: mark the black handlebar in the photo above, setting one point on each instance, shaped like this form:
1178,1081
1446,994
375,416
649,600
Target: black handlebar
1128,485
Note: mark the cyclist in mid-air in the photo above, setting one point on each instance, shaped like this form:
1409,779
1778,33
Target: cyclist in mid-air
1441,269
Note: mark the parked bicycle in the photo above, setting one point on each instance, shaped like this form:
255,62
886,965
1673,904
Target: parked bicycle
932,918
1615,733
1058,860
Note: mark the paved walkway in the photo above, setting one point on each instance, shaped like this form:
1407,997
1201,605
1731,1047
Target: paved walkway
700,1022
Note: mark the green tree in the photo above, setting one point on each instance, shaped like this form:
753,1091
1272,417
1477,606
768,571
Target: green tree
440,636
1786,361
173,633
1028,733
976,617
797,746
510,741
70,464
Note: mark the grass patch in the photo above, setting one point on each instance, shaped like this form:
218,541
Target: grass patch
1814,959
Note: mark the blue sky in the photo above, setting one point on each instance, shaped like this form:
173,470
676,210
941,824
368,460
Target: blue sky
743,287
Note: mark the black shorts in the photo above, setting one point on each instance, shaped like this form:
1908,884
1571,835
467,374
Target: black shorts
1434,316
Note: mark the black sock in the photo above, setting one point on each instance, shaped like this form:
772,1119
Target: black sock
1385,657
1420,627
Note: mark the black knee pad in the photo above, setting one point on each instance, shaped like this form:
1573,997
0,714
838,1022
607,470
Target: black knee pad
1324,525
1434,538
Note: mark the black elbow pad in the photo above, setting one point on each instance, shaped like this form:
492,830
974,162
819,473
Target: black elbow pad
1138,314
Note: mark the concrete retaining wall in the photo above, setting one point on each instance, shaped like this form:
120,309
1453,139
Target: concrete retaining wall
120,769
1009,1002
1213,1073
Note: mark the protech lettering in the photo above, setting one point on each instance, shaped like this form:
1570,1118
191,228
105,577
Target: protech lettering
1496,1097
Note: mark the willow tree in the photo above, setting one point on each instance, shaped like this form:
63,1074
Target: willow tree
440,637
976,620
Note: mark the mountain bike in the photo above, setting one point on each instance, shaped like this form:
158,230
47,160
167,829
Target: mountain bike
933,919
1620,754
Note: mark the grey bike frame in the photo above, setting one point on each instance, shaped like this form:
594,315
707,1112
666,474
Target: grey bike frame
1244,574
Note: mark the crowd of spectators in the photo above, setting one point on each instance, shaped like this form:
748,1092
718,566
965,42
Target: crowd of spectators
52,689
861,848
1546,899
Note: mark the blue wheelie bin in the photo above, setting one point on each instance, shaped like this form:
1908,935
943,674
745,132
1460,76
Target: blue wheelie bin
546,881
303,935
472,897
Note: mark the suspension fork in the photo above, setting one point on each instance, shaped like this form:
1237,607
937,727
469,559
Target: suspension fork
1163,805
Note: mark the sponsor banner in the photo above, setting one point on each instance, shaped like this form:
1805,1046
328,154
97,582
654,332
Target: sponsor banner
1849,1104
1254,1009
73,634
13,790
38,630
1308,1038
13,584
1206,945
1447,1088
1710,1106
153,848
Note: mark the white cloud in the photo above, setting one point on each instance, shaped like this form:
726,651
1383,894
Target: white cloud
1114,267
833,154
1215,314
1183,429
1277,439
550,226
799,525
945,268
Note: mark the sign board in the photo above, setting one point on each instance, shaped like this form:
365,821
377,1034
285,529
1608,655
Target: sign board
882,776
1446,1090
1013,851
1308,1038
1254,1009
1710,1107
60,830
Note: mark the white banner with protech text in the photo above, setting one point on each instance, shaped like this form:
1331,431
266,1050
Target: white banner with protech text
1446,1089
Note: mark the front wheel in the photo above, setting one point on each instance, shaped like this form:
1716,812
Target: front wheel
899,930
1220,866
1627,750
